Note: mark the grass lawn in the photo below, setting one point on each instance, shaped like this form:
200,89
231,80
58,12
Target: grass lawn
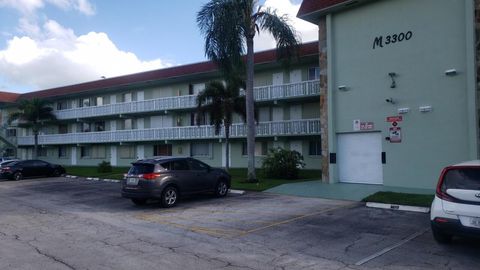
91,171
401,198
238,176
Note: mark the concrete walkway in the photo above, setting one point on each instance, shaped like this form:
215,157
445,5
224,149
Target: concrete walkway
340,191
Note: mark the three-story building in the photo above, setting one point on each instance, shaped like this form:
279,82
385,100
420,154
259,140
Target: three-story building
153,114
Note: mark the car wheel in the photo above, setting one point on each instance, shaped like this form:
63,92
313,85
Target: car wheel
169,196
18,176
56,173
139,201
441,237
221,189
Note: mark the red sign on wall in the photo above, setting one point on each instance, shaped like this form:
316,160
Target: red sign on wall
394,119
366,126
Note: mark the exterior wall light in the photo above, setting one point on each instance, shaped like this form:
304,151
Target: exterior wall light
451,72
343,88
424,109
403,110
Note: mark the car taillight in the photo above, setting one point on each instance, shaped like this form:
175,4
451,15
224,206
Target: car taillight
6,169
440,193
150,176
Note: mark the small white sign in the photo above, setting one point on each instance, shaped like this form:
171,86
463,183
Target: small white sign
356,125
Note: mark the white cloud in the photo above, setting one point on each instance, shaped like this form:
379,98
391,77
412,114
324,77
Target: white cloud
58,57
307,31
28,7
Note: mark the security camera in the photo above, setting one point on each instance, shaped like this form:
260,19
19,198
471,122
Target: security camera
342,88
390,100
451,72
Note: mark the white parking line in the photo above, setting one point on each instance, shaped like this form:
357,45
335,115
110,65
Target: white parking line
390,248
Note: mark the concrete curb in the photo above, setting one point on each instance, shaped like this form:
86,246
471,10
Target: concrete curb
398,207
93,179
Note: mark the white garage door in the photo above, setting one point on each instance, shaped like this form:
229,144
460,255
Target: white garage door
359,158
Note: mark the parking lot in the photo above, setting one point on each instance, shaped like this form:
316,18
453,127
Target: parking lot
60,223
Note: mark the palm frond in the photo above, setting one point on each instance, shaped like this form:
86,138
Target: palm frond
222,23
279,26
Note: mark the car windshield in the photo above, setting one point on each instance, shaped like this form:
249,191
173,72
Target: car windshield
462,178
141,168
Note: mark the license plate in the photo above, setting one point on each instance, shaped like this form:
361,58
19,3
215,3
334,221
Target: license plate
132,181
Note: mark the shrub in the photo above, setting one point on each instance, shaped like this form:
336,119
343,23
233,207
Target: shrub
104,167
282,163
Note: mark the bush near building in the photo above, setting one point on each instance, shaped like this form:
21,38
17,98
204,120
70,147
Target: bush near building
283,164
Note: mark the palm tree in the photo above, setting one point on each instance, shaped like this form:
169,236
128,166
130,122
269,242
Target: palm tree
231,25
221,100
33,114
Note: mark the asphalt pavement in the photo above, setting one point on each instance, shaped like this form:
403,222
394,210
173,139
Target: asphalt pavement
61,223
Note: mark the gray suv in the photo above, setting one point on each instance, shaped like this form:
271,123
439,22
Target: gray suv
168,178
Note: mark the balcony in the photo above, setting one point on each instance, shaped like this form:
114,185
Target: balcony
263,93
304,127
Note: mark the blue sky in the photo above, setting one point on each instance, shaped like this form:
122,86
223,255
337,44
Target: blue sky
50,43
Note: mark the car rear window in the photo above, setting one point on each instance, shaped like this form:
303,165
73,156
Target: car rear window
141,168
462,178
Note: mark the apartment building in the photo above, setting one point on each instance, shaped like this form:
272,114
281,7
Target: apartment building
399,91
152,113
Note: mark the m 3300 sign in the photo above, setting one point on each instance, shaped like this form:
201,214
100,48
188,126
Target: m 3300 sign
382,41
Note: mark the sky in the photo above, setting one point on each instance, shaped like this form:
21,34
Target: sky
52,43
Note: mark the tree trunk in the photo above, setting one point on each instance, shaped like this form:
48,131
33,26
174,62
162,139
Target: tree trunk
250,103
227,148
35,150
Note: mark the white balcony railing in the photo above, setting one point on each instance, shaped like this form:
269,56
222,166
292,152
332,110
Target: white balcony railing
265,129
263,93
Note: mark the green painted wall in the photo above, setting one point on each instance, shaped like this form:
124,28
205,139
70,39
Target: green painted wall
430,140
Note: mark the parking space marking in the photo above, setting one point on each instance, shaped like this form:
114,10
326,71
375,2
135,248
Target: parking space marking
392,247
291,220
197,229
221,232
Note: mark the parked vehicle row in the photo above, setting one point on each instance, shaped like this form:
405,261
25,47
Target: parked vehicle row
19,169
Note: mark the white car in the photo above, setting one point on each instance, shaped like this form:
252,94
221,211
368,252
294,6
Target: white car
456,207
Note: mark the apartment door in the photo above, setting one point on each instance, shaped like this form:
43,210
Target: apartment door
295,76
359,158
295,112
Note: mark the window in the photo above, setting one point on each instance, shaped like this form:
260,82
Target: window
62,151
315,148
62,129
176,165
197,165
84,102
62,105
162,150
85,127
127,151
196,119
200,149
12,132
314,73
100,126
98,151
85,151
261,148
128,124
42,152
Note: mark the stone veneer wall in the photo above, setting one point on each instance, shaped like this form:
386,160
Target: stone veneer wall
323,64
477,48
